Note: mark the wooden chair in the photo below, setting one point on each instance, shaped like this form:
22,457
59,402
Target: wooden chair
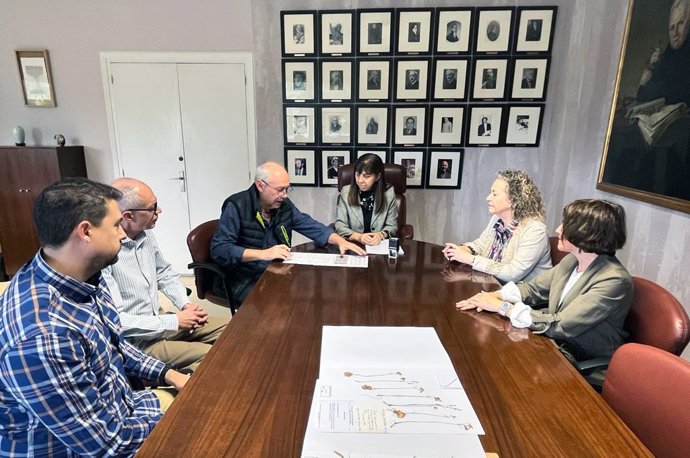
396,176
656,318
205,270
648,389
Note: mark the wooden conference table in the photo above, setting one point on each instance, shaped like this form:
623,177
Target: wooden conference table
252,394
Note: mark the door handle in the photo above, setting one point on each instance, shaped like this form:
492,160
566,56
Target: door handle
181,179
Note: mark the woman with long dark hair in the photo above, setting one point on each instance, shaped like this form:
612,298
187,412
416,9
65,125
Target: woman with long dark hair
366,207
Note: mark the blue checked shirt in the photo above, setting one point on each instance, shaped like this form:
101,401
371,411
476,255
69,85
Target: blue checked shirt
63,360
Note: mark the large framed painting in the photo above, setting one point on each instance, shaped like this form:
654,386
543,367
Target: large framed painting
647,150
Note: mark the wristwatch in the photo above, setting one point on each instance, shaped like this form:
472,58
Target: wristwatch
504,308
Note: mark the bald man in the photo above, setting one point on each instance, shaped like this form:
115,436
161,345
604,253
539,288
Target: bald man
180,339
256,228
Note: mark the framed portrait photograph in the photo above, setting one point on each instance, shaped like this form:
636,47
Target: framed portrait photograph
375,31
535,28
301,166
336,80
300,124
445,169
299,80
454,31
382,153
523,125
337,32
412,79
410,125
374,80
646,155
529,79
489,81
331,160
372,125
335,124
450,79
484,126
36,78
494,30
413,161
414,30
298,33
446,125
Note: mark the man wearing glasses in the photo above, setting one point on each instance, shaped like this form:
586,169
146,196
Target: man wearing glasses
180,339
256,227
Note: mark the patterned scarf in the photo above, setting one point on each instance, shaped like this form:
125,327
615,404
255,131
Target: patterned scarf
366,200
503,235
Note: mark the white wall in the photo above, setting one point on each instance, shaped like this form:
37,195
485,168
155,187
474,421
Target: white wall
583,70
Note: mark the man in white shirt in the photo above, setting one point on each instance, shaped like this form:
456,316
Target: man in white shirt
180,339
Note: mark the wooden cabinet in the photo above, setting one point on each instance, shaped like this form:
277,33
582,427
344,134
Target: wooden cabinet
24,173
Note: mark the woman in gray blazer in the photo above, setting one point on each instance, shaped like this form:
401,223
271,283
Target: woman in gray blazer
367,212
581,303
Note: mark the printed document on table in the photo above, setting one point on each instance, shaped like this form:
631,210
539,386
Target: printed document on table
382,248
327,260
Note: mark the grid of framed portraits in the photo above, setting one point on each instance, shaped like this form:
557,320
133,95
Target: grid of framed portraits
413,85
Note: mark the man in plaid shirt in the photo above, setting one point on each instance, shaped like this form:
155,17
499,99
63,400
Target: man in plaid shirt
63,361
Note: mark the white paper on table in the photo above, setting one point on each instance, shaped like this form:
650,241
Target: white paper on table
380,401
382,248
327,260
382,347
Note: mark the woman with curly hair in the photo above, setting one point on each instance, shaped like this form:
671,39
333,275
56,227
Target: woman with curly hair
582,302
515,244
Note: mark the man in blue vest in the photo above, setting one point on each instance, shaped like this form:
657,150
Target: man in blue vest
256,228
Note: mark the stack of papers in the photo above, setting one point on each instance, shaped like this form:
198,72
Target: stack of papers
389,391
653,118
382,248
327,259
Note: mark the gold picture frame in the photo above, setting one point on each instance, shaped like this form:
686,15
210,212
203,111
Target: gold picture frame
36,78
646,155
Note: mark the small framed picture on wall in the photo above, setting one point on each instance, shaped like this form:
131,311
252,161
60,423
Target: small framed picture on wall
337,32
410,125
375,31
445,169
490,76
374,80
412,79
494,30
300,124
336,127
331,160
372,125
535,25
446,125
298,33
523,125
413,161
484,126
300,80
336,80
382,153
301,166
414,30
450,79
454,30
529,79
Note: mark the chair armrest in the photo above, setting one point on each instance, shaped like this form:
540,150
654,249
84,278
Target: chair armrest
212,266
406,232
592,364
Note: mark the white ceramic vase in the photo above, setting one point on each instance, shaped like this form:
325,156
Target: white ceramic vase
19,136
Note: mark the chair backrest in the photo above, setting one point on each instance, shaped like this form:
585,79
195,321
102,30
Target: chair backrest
199,243
556,254
656,318
648,389
396,176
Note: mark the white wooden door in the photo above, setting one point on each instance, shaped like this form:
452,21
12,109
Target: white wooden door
182,128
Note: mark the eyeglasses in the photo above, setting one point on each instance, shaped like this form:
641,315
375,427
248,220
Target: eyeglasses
152,209
279,190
